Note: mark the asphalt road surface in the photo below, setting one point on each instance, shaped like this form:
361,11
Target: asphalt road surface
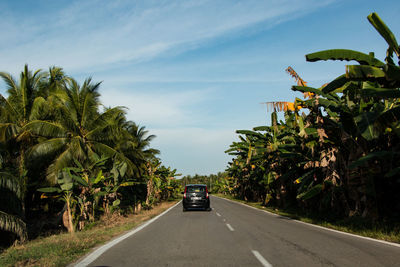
235,235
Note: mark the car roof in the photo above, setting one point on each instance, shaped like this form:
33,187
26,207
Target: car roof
196,185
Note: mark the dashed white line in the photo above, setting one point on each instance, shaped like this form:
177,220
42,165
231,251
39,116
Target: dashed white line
261,259
230,227
219,215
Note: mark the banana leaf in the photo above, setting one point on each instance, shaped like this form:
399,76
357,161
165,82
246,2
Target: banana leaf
251,133
305,176
381,92
389,117
344,54
80,180
287,146
365,123
381,155
67,186
335,84
361,72
50,190
310,193
349,86
262,128
99,177
116,202
311,131
392,72
384,31
331,105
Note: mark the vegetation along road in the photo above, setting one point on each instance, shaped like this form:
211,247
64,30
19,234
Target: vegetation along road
236,235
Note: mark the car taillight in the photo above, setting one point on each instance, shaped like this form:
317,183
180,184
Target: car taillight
206,192
184,193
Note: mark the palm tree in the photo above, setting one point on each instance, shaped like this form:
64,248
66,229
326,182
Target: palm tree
17,110
26,101
79,132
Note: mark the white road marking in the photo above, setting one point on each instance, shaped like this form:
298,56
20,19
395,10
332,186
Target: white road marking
95,254
219,215
224,220
230,227
261,259
317,226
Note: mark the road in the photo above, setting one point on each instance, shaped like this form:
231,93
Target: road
235,235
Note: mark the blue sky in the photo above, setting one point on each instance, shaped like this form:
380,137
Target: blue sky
192,72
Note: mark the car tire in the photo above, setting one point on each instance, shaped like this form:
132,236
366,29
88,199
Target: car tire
183,209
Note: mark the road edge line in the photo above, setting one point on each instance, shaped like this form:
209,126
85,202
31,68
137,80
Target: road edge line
99,251
316,226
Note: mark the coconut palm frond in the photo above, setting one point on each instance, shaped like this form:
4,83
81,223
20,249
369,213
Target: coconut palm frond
14,224
8,131
46,148
38,106
46,128
10,81
11,183
63,160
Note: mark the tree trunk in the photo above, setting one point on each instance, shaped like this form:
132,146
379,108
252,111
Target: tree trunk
149,190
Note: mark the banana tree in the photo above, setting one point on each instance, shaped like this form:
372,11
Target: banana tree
361,108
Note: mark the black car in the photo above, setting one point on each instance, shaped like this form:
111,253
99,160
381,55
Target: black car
196,196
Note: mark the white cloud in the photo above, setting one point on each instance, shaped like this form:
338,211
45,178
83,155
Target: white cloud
96,34
165,109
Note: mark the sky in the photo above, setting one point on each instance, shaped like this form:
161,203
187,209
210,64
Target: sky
191,72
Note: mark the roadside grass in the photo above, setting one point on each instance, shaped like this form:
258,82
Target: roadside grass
63,249
387,230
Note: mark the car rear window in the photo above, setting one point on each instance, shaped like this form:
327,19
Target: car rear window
195,189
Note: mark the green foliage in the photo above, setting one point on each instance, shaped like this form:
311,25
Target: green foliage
342,155
58,145
11,211
14,224
345,54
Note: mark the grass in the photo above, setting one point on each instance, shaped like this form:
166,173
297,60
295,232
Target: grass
62,249
387,231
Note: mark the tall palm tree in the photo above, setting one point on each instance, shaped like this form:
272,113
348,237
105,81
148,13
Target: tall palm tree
18,109
80,131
